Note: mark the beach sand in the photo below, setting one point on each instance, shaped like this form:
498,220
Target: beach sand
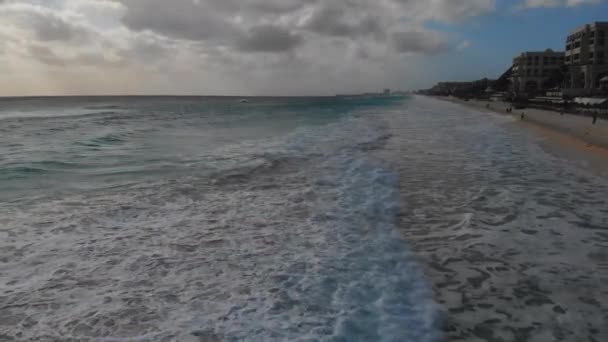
510,262
574,137
567,128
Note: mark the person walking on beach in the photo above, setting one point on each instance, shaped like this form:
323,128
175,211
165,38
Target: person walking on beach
594,118
522,115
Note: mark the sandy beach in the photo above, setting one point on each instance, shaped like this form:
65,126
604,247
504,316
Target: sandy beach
573,137
569,129
510,244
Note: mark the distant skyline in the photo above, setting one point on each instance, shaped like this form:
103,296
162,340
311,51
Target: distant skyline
270,47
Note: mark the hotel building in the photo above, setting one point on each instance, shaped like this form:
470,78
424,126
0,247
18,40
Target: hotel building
532,69
587,59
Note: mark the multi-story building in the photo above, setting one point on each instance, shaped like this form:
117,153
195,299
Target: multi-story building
587,59
533,69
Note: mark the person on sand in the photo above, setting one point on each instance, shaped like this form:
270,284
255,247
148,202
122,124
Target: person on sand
594,118
522,115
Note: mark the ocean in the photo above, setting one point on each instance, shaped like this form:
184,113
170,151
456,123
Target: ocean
204,219
211,219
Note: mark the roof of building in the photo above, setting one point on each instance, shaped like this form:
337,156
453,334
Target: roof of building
584,27
546,52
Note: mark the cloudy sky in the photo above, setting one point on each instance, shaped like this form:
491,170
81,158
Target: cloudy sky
269,47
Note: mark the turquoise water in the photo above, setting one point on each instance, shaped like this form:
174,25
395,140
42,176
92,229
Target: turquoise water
91,143
162,219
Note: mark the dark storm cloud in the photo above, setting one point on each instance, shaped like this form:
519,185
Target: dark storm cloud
215,22
268,38
340,20
244,25
418,42
178,19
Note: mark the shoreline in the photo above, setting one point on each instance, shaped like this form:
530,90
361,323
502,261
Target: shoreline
571,136
574,130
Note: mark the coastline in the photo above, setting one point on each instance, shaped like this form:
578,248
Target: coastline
575,131
566,136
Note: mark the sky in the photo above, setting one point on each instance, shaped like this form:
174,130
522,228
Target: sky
270,47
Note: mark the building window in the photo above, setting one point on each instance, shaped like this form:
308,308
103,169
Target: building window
577,45
576,57
590,55
568,47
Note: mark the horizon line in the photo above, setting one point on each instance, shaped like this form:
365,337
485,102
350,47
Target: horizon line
161,95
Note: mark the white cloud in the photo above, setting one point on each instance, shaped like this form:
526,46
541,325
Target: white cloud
223,46
557,3
446,10
465,44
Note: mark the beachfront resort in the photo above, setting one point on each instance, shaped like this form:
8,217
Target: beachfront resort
574,80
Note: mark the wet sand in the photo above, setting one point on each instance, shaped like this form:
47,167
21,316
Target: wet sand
520,258
566,136
574,126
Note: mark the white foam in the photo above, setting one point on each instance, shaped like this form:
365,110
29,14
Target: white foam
293,241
